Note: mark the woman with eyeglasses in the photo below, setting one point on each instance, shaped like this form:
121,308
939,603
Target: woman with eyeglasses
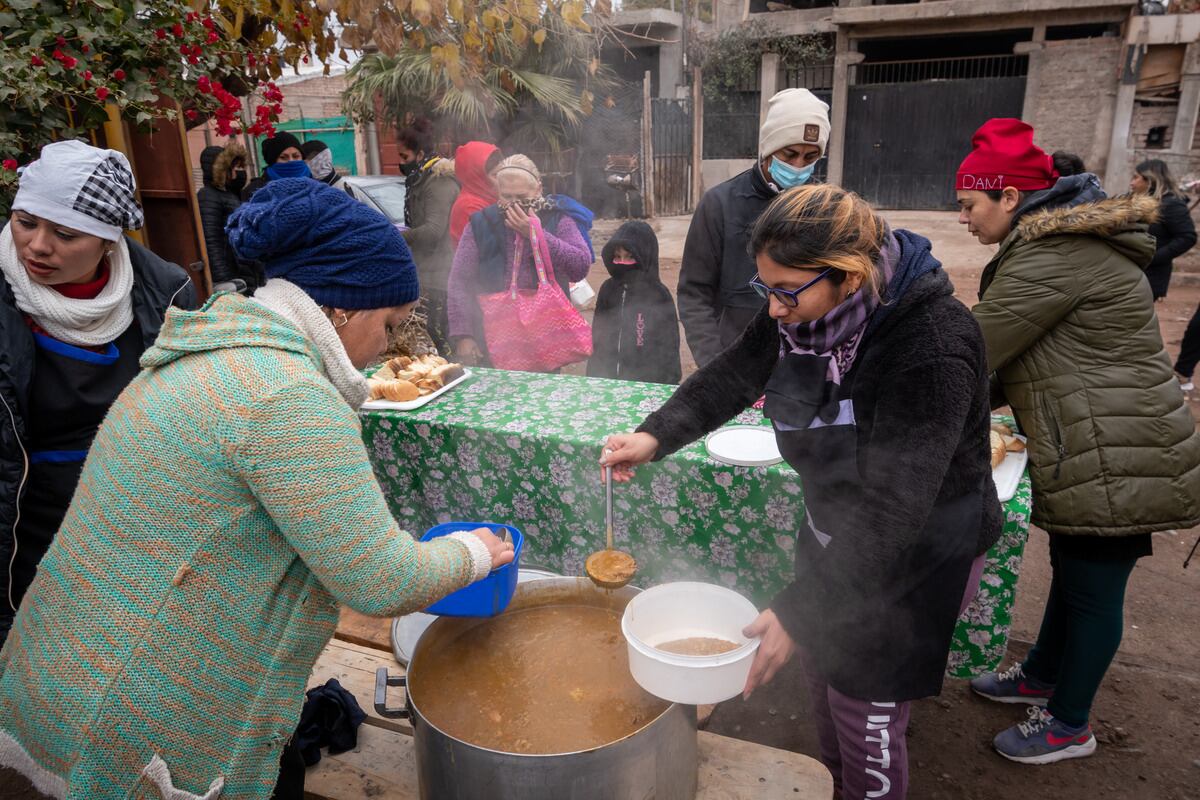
876,384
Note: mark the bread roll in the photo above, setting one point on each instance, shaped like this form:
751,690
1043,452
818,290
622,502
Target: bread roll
384,373
399,391
1013,444
399,362
998,449
375,385
1002,429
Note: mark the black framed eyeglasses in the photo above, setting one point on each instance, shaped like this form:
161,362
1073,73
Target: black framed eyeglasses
791,299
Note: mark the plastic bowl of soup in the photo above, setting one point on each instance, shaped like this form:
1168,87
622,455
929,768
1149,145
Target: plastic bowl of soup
685,642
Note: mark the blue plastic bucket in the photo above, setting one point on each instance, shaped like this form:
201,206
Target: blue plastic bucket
487,597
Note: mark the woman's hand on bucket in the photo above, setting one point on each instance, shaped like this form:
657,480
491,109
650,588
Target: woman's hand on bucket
775,649
501,551
624,451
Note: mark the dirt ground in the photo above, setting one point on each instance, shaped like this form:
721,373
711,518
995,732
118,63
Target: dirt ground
1146,715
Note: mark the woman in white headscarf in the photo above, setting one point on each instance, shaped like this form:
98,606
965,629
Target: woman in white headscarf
79,304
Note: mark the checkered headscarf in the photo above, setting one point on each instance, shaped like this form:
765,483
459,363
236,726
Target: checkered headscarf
81,187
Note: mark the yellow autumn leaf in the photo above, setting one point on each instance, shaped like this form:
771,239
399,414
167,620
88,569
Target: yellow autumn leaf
471,39
539,37
519,33
422,10
492,20
455,7
585,102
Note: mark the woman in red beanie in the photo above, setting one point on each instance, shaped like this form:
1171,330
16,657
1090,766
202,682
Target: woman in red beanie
1075,350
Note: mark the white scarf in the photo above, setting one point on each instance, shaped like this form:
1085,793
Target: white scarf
85,323
289,300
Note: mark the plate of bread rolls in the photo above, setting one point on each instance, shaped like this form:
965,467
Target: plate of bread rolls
1008,459
408,382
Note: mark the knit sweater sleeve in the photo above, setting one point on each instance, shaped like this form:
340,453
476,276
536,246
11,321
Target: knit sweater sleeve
299,449
568,251
462,304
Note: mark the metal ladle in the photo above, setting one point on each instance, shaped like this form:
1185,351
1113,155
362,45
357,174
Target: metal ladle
610,568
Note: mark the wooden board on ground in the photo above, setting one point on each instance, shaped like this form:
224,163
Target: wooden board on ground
384,766
369,631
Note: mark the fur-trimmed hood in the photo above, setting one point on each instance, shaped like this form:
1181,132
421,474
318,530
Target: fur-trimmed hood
1105,218
223,165
443,168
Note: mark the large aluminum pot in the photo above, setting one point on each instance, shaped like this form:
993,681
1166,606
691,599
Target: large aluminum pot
658,762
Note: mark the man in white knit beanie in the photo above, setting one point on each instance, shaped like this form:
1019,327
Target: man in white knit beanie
716,302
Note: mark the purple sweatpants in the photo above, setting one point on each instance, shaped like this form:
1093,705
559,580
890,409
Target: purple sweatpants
863,743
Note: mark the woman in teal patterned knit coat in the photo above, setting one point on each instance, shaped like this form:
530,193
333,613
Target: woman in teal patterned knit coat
226,508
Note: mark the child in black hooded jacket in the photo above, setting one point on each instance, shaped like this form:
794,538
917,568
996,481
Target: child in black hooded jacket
635,333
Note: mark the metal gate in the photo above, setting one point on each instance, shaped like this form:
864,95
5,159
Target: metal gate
909,124
671,135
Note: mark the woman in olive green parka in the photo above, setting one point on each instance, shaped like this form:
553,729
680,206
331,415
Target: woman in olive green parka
1074,344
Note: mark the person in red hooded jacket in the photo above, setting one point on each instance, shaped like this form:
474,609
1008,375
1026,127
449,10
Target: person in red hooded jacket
474,163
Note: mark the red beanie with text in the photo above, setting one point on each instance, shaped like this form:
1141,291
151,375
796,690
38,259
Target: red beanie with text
1003,154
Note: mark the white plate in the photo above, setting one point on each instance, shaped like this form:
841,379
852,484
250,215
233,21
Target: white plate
407,630
409,405
744,446
1008,475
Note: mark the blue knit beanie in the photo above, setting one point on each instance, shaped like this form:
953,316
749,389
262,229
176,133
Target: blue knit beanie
342,253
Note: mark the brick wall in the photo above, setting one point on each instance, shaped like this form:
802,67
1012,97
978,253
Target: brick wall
1076,98
312,98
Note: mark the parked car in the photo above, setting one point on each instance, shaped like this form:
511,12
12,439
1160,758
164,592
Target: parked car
384,193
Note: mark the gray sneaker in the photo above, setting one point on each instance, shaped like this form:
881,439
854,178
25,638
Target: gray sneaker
1042,739
1013,686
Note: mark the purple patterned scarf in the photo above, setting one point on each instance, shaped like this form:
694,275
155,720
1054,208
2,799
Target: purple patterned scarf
838,334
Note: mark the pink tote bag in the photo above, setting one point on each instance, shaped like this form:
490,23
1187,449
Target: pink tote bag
534,331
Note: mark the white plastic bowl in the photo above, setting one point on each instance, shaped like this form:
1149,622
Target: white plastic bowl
679,611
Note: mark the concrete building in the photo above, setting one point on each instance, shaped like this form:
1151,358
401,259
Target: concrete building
908,82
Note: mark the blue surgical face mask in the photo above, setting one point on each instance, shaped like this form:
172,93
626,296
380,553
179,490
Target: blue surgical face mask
288,169
786,176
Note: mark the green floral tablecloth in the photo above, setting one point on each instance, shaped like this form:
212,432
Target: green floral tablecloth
523,448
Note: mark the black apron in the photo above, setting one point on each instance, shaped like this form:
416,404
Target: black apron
887,641
71,391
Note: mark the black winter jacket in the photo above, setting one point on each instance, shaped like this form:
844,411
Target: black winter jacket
157,285
876,608
1175,234
715,299
216,204
635,331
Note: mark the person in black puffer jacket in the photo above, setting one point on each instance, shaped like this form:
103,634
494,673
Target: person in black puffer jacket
635,331
876,382
224,171
1174,231
79,304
